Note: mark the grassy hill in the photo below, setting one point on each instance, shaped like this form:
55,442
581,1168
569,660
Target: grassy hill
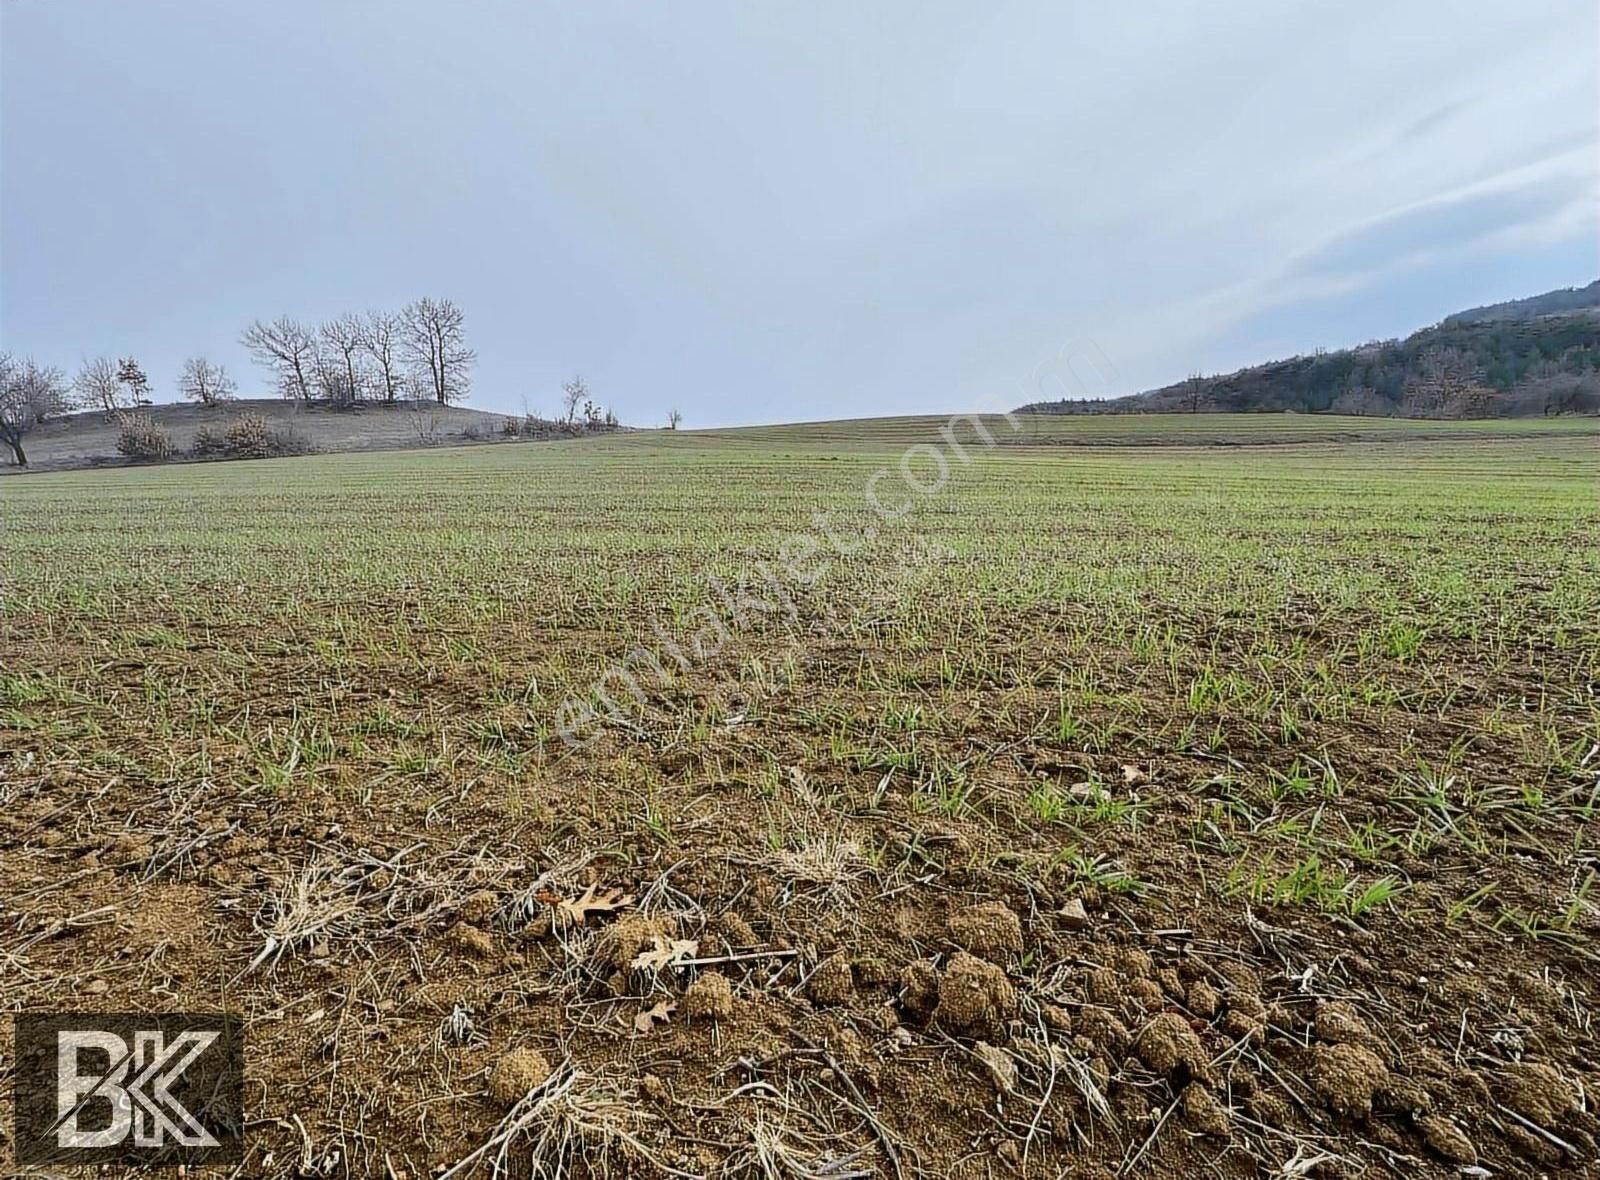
89,439
1529,358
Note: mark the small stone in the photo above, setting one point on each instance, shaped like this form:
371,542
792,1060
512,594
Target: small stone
1001,1065
96,987
516,1073
1072,914
709,998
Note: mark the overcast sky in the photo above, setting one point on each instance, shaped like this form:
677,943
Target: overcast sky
785,211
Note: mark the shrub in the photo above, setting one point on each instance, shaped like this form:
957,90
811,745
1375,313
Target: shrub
247,437
208,444
511,428
140,438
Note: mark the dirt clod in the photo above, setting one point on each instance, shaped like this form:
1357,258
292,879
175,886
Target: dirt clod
1202,999
1347,1077
1203,1112
919,989
1170,1047
516,1073
1446,1139
975,997
709,998
1339,1024
832,982
990,930
469,940
1535,1091
620,943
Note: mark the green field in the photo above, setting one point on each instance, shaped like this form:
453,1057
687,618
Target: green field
1267,694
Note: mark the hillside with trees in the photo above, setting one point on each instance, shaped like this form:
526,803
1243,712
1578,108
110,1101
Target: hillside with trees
383,380
1516,359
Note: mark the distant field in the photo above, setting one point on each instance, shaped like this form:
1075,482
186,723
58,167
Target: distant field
1272,775
1162,430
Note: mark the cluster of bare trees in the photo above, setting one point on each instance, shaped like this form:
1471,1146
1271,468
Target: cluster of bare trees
420,350
30,394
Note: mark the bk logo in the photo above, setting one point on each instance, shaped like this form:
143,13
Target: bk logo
129,1088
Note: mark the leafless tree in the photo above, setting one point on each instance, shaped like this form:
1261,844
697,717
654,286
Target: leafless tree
100,388
344,377
380,337
289,350
29,394
674,419
134,381
434,343
1195,386
206,383
574,393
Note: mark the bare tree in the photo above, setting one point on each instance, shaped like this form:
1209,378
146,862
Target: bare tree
99,387
344,378
380,337
674,419
287,349
574,393
29,394
134,381
206,383
434,343
1195,386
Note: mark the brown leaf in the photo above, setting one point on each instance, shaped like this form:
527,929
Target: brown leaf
668,952
593,901
648,1018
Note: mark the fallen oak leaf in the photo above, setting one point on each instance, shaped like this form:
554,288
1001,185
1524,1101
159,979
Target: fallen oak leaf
648,1018
593,901
668,952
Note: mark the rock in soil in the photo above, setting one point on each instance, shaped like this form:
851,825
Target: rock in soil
1072,914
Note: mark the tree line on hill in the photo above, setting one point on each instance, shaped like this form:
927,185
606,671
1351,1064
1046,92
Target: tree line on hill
1515,361
419,352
